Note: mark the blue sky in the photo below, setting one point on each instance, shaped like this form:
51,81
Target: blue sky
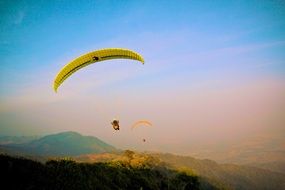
190,47
36,33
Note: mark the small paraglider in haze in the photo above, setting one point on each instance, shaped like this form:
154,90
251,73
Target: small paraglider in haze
115,124
141,123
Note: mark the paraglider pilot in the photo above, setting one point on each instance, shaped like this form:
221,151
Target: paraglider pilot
115,124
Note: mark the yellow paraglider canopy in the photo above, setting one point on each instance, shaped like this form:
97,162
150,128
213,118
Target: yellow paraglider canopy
93,57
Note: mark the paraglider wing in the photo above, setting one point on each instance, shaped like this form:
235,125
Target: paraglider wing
93,57
142,123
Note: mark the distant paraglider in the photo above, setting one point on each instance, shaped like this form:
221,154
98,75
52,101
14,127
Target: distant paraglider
93,57
141,123
115,124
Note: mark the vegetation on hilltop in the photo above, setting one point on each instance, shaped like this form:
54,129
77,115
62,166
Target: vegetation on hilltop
22,173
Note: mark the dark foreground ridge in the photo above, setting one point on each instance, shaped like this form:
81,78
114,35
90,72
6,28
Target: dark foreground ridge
21,173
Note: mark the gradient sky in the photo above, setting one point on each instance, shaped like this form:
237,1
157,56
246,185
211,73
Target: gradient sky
213,74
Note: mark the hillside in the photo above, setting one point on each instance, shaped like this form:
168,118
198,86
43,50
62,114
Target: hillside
85,149
20,173
231,175
61,144
277,166
221,176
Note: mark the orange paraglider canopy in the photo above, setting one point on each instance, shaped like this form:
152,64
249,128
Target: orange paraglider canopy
141,123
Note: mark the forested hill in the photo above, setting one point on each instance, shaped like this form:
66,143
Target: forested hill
228,176
60,144
21,173
87,149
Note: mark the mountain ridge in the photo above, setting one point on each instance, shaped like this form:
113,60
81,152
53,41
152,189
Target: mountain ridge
228,176
91,149
62,144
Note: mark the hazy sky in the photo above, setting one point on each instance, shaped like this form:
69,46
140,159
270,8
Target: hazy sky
213,74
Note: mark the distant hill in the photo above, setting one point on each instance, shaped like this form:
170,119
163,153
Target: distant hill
4,140
231,175
260,150
61,144
277,166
